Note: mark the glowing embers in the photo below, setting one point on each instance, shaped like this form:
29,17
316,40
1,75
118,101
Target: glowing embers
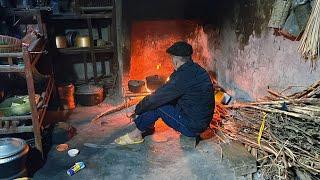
168,79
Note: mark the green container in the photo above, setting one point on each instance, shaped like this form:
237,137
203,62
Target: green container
15,106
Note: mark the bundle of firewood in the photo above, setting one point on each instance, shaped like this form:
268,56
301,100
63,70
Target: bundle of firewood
282,133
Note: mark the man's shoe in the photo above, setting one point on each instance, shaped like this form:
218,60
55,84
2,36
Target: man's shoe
148,132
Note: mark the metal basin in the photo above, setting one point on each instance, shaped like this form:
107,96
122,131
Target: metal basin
13,155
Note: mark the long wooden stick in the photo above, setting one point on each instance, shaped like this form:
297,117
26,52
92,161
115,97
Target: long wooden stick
313,101
117,109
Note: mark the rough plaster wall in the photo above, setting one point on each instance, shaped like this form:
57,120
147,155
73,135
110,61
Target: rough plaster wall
246,67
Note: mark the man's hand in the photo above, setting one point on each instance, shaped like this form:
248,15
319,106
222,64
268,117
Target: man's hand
133,116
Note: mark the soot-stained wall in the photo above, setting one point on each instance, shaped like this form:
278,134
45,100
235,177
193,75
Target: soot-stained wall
249,58
245,54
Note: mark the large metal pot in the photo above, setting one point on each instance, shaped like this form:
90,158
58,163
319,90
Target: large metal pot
13,155
61,42
83,41
136,86
154,82
71,38
89,95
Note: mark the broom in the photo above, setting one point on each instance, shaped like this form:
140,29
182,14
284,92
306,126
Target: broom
310,41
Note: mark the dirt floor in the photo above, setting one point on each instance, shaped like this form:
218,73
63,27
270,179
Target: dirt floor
164,155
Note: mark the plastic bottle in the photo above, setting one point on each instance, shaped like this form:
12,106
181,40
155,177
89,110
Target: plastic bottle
75,168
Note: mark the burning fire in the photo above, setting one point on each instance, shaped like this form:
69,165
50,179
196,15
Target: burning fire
158,66
150,39
148,90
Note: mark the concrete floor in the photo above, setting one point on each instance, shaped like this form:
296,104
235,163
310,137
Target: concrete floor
164,155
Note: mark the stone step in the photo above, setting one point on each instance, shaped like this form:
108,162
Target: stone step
239,159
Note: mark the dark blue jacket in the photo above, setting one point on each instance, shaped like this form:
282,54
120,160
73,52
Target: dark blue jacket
191,90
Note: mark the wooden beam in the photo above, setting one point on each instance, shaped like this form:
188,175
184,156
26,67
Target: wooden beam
118,40
33,105
93,56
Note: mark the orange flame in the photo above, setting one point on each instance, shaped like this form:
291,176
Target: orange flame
148,90
158,66
150,39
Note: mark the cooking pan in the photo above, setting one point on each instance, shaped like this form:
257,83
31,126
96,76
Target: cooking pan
61,42
89,95
155,81
71,38
136,86
83,41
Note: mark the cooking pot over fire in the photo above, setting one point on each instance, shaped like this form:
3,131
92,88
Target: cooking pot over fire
155,81
136,86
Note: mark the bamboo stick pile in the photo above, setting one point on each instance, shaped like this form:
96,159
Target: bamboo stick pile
289,127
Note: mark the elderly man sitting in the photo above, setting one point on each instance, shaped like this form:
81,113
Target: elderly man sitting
185,102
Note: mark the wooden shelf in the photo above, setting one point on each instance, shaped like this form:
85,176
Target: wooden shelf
19,129
38,46
74,50
15,118
80,16
93,9
33,11
11,69
12,55
30,55
42,105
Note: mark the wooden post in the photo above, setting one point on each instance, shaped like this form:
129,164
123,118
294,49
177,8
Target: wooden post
33,105
85,66
93,56
41,25
118,41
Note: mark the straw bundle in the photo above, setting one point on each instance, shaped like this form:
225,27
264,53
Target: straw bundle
310,41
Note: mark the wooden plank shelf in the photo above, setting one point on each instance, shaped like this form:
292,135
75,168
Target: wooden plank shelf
74,50
37,49
41,106
11,69
15,118
30,54
12,55
91,17
80,16
19,129
94,9
29,12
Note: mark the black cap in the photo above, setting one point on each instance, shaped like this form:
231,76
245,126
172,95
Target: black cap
180,48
